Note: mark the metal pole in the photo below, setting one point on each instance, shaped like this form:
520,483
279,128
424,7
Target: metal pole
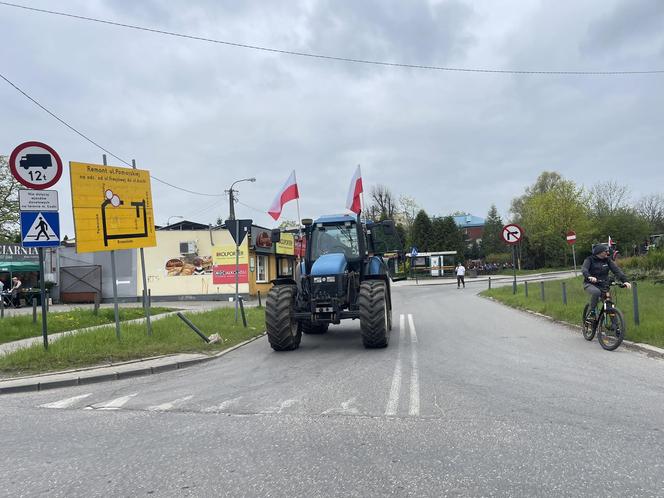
2,307
564,293
542,289
237,266
260,305
193,327
635,298
244,318
489,282
42,291
114,276
146,305
574,257
115,296
514,268
34,309
526,287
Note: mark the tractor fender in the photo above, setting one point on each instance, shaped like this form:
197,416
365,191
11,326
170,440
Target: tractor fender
283,281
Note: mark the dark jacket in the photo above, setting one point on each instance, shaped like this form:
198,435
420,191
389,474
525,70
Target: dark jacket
599,268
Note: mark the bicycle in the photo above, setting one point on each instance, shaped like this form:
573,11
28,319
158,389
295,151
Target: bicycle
610,322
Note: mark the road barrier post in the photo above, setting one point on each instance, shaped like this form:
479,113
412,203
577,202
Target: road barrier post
542,289
193,327
244,318
95,310
34,310
635,297
2,307
260,305
489,283
564,293
525,284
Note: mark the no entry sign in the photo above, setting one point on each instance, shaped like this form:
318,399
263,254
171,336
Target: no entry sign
35,165
571,237
512,233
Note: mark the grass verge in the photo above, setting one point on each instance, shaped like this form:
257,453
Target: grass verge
21,327
651,312
100,347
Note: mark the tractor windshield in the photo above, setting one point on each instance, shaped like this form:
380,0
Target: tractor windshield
328,239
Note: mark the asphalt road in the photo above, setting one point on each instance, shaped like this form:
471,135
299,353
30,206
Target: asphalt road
470,399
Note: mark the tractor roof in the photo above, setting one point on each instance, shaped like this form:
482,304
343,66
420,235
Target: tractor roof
335,218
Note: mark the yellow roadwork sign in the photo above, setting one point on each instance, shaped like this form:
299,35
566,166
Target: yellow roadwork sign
112,207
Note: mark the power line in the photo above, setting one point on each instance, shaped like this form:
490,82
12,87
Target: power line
34,101
328,57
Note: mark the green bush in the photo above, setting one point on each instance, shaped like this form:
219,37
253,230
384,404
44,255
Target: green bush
654,261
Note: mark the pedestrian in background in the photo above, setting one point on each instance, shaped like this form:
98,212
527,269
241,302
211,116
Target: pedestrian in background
460,271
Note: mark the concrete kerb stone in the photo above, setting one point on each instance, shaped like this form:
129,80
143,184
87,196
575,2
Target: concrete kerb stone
116,371
647,349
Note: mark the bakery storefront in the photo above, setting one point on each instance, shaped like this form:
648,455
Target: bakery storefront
193,265
285,255
262,261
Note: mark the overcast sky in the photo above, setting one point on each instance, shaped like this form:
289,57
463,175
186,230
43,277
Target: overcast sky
202,115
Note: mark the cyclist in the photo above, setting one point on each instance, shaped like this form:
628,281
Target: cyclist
596,269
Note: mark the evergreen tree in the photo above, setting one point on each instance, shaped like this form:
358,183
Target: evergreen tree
492,241
421,232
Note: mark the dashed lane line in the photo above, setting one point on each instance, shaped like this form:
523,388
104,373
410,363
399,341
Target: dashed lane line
414,409
65,403
395,389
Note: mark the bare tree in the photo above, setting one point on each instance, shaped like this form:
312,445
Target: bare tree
9,212
408,208
383,203
651,208
607,198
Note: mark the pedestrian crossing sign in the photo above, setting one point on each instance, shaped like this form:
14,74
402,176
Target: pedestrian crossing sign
40,229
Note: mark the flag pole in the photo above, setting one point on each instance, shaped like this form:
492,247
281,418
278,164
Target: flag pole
364,204
297,201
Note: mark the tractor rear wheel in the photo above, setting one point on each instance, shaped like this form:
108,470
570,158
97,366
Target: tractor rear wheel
374,314
282,328
309,327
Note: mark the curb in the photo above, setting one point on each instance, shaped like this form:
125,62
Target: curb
647,349
111,372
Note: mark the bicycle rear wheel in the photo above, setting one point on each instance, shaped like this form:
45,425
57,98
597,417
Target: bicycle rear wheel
587,327
611,330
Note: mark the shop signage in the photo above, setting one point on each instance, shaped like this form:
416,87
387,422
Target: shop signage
112,207
261,241
286,245
224,254
14,252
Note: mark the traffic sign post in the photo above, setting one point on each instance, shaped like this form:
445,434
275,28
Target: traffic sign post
512,235
35,165
38,167
571,240
238,230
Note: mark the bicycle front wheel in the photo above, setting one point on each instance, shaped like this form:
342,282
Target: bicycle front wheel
587,326
611,330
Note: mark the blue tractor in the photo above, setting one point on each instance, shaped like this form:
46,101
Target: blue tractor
342,276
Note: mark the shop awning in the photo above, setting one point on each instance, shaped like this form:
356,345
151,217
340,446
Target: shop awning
18,266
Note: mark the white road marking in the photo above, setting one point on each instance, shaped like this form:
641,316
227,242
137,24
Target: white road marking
395,389
114,404
415,372
284,404
169,406
345,408
222,406
65,403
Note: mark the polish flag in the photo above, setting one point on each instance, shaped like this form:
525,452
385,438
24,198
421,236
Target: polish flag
353,199
287,193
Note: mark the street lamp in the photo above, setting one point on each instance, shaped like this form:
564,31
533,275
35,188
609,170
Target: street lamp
230,192
168,222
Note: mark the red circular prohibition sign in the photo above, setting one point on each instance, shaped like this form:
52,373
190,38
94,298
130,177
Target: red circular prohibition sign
36,186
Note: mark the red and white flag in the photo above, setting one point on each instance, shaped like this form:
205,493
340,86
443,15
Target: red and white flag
287,193
353,200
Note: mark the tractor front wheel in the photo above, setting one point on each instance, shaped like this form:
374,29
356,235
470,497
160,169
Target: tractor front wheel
282,328
374,314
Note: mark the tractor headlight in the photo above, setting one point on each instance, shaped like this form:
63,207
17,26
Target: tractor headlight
322,280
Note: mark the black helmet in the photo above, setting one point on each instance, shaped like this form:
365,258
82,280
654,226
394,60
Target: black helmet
600,248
